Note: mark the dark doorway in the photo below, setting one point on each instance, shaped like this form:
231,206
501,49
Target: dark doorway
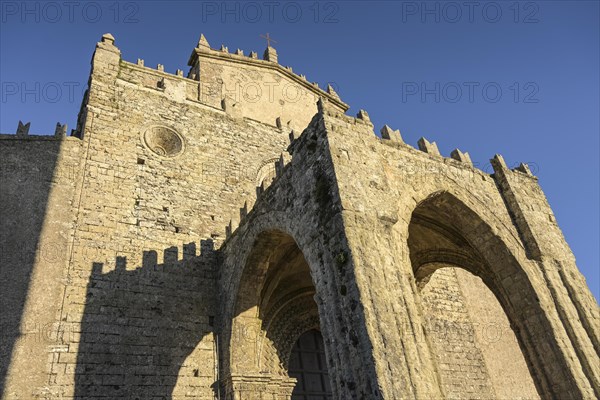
309,367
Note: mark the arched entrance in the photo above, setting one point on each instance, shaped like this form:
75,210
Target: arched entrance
447,239
274,307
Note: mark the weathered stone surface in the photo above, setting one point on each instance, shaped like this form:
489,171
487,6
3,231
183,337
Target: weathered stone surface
172,248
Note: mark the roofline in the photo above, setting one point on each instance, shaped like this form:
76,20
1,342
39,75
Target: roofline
241,59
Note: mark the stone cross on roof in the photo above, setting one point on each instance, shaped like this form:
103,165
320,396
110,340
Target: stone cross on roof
268,38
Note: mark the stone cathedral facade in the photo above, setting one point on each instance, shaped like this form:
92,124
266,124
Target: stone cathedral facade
233,234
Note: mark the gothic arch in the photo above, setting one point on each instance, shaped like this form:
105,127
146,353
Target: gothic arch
445,230
272,303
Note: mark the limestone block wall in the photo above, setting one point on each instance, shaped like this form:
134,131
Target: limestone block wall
145,332
156,175
496,340
39,177
302,204
162,174
476,351
462,369
381,183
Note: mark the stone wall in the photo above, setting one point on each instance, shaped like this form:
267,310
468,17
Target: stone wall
302,204
262,90
463,372
476,351
420,363
39,177
504,361
161,172
159,175
384,184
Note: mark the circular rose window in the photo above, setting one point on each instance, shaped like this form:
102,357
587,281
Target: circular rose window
163,141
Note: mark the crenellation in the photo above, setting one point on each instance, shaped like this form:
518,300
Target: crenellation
260,189
363,115
61,130
23,129
108,39
228,230
524,168
219,80
388,133
60,133
458,155
322,105
136,74
160,68
332,92
279,166
327,109
140,62
498,163
428,147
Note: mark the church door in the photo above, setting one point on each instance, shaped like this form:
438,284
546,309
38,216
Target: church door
309,367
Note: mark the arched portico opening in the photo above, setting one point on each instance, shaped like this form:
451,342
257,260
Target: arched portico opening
447,239
273,308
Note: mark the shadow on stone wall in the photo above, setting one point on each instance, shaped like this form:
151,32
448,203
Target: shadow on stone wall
140,327
26,177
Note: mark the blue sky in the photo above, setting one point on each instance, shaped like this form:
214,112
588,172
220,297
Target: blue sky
516,78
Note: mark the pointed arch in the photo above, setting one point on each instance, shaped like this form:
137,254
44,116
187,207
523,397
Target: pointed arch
446,230
274,304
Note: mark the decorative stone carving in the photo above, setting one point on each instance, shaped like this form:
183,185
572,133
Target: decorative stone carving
163,141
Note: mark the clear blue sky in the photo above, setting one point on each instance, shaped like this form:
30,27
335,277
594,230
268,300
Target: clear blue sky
519,79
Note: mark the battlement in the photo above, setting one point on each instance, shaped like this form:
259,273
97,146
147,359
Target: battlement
361,125
22,133
269,61
243,86
160,70
195,87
